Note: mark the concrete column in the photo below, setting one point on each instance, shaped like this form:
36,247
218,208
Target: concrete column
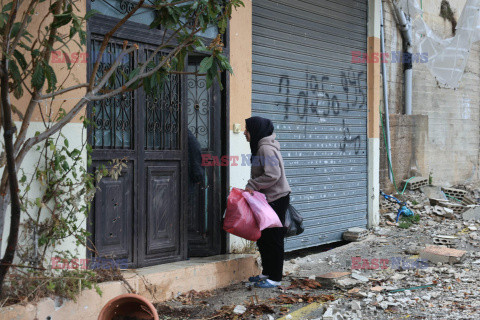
373,97
240,104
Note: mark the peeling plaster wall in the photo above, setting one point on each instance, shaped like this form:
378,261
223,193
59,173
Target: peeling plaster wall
451,131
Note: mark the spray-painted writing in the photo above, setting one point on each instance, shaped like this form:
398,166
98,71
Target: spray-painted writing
318,98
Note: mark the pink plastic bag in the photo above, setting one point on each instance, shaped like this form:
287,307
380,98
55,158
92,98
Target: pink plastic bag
264,214
239,219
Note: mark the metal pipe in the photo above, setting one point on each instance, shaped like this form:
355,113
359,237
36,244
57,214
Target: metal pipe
406,30
408,89
385,90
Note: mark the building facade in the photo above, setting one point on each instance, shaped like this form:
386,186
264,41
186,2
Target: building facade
292,63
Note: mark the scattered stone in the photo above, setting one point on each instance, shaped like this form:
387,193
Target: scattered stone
331,279
347,283
355,305
428,209
353,291
413,249
360,277
328,315
377,289
439,211
442,254
355,234
391,216
426,297
433,192
449,213
472,214
239,309
397,276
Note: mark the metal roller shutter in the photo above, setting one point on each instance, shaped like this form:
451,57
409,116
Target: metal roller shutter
305,82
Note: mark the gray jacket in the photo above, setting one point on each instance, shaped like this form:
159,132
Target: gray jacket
267,172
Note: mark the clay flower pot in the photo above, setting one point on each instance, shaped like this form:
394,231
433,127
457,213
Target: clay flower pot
128,306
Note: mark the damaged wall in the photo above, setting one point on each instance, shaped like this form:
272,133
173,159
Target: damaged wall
447,139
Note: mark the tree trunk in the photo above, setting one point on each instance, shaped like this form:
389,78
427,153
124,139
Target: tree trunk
8,130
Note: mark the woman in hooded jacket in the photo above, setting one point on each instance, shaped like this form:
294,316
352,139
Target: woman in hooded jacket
268,177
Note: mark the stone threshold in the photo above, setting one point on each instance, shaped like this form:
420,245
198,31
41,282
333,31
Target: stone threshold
156,283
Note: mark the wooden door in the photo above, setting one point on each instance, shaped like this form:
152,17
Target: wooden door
140,216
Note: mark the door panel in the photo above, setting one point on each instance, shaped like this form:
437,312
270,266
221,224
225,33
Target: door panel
114,204
163,209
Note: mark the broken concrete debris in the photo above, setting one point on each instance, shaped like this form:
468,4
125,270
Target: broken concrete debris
239,309
415,183
442,254
359,277
454,193
446,283
355,234
329,280
467,201
471,214
445,240
433,192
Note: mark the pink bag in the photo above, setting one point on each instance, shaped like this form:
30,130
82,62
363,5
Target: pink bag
264,214
239,219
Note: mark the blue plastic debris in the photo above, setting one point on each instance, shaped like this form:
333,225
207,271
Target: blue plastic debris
404,210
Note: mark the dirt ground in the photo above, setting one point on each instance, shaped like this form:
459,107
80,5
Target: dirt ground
404,289
260,303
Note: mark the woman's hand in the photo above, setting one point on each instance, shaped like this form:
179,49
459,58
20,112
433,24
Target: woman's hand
249,191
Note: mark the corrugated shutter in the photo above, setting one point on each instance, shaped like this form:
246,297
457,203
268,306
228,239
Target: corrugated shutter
305,81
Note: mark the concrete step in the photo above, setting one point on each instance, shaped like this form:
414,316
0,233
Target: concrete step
157,283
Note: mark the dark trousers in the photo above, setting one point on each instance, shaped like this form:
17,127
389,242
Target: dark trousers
271,244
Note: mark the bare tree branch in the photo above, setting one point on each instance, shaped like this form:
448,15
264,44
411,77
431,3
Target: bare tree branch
115,65
60,92
29,143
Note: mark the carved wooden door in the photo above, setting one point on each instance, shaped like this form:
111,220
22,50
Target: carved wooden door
140,216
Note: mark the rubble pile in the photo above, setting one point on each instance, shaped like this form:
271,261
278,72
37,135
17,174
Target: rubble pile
426,271
428,293
425,266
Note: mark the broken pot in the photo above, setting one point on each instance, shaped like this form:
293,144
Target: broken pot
128,306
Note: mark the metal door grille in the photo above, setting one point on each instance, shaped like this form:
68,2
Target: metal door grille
113,118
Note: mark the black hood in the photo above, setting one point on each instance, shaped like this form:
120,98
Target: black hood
258,128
